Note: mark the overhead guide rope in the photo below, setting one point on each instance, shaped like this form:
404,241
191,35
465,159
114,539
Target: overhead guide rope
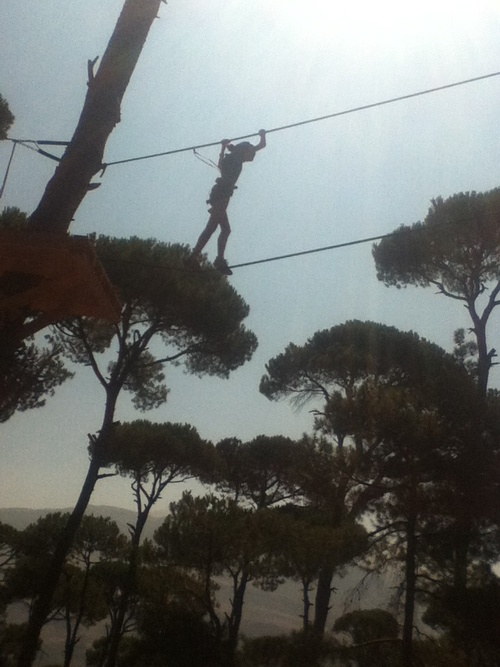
318,119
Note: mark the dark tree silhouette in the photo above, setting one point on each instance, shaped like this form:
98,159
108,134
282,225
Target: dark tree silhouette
397,407
456,249
198,319
153,456
29,373
6,118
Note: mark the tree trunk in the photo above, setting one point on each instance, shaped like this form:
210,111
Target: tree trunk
464,526
68,645
410,584
62,196
306,604
461,562
116,631
484,356
235,619
101,112
322,601
84,155
41,607
72,635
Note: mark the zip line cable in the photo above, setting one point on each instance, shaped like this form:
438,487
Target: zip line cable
335,114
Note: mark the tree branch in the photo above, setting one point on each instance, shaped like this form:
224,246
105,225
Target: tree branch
446,292
90,353
188,350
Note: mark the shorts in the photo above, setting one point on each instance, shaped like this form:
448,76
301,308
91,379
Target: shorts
221,193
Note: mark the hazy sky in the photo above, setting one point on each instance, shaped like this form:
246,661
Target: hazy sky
224,68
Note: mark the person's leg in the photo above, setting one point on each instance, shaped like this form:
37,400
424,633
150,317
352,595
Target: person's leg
220,262
205,235
225,230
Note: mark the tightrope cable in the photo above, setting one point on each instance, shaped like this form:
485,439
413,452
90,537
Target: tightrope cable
310,252
404,228
417,228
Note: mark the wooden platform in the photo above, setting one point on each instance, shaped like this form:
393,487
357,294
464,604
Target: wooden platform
59,276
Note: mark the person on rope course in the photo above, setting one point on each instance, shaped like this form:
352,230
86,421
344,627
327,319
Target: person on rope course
230,165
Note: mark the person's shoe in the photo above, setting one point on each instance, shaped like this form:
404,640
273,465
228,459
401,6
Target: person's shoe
221,266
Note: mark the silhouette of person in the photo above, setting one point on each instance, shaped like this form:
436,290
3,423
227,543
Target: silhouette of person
230,166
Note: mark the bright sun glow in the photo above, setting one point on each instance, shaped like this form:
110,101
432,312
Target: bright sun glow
366,22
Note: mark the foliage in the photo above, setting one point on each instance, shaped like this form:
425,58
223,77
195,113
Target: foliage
28,376
164,452
471,623
379,388
28,372
306,540
166,621
439,652
373,634
261,471
98,539
79,597
6,118
305,543
9,541
173,635
413,444
212,537
198,319
12,218
153,456
10,643
333,363
368,624
294,650
35,547
456,249
111,576
197,316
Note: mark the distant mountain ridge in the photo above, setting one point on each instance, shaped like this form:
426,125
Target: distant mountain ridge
21,517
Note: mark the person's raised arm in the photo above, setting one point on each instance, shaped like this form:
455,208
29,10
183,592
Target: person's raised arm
224,144
262,142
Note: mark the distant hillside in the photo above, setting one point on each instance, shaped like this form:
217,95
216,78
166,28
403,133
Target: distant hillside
21,517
